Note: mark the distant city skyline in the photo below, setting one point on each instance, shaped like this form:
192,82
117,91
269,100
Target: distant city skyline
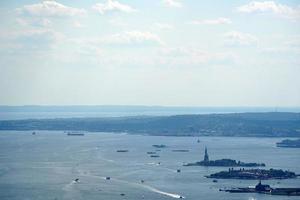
160,52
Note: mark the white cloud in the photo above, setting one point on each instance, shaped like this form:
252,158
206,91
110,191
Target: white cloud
173,3
134,37
41,22
194,56
98,49
235,38
290,46
293,42
48,35
77,24
270,7
32,39
118,22
127,38
34,33
217,21
50,9
163,26
111,6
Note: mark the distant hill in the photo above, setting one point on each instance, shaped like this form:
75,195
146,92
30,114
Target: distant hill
100,111
271,124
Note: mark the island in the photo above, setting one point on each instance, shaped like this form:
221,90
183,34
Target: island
253,174
223,162
273,124
265,189
289,143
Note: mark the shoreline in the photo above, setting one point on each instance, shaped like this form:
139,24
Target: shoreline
145,134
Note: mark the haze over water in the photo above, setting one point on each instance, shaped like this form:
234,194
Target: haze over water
44,112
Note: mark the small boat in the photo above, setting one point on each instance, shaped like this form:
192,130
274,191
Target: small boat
159,145
178,170
180,150
122,150
154,156
75,134
215,180
142,181
151,152
107,178
76,180
33,133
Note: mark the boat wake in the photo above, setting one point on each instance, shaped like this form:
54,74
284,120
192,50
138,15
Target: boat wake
69,186
176,196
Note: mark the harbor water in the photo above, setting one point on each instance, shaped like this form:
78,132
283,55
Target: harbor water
46,165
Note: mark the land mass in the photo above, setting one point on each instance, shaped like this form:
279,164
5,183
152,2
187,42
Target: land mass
253,174
289,143
223,162
271,124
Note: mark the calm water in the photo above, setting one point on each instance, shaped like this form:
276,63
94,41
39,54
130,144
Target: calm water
45,166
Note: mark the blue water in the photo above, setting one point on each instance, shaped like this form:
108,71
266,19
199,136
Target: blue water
45,165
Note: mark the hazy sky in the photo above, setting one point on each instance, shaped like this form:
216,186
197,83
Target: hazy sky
150,52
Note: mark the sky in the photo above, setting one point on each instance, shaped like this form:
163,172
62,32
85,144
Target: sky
150,52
